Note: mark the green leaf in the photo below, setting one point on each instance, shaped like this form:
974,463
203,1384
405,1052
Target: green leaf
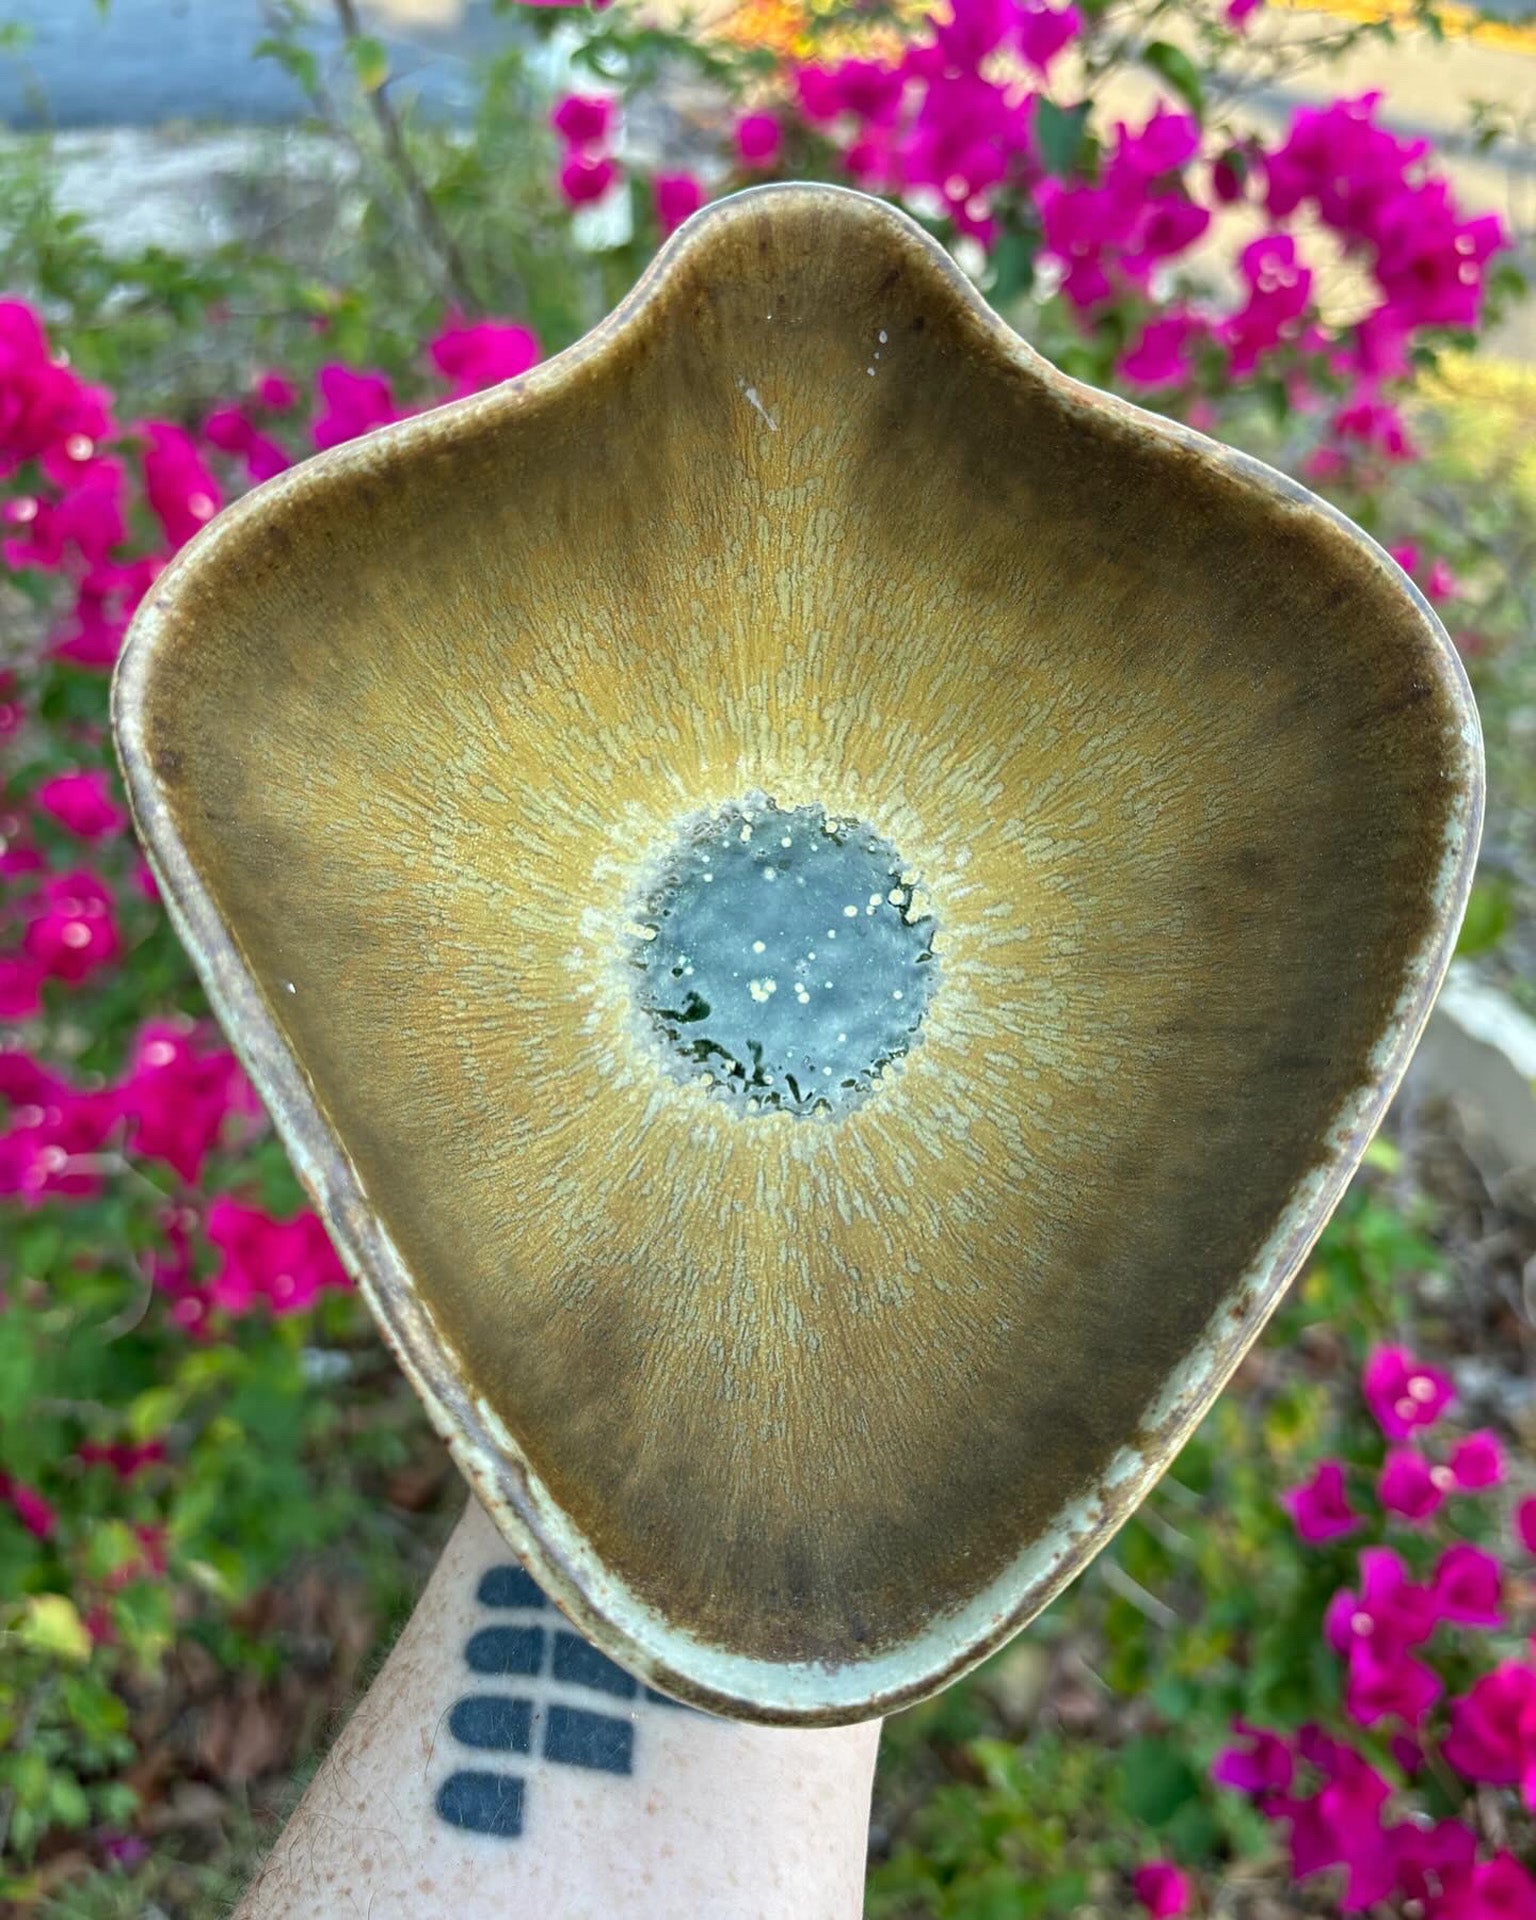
1012,266
1385,1155
52,1625
1155,1781
67,1804
1172,64
295,60
1061,135
370,61
1489,913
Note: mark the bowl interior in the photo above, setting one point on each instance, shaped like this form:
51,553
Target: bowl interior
1175,760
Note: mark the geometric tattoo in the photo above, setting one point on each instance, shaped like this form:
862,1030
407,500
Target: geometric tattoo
550,1709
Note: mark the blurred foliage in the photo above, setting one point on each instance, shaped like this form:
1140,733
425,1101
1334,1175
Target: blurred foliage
1036,1785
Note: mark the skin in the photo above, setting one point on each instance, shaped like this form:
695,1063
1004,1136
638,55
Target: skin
712,1819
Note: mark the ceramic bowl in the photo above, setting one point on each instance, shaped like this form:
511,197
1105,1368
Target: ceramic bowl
801,1405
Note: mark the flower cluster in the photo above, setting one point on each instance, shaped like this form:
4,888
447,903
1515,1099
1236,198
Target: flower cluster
85,488
961,124
149,1212
586,123
179,1100
1374,1807
132,1145
589,171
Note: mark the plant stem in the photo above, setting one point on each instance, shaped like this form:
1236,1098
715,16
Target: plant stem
424,208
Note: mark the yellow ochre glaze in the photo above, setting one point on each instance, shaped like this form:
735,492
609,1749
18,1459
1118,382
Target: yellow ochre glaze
1188,776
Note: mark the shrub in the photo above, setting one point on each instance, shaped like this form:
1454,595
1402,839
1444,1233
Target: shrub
182,1363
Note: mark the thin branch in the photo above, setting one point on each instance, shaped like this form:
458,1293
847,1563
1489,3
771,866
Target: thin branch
436,235
1119,1581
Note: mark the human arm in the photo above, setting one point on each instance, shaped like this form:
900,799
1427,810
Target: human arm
500,1765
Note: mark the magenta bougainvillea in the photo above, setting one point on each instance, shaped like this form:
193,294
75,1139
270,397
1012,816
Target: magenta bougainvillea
118,1095
1400,1819
100,505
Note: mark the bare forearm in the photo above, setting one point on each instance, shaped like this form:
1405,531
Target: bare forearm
499,1764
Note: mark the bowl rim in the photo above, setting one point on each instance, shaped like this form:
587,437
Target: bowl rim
611,1614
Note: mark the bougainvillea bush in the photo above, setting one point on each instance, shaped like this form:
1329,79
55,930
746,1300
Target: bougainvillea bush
190,1398
1300,1681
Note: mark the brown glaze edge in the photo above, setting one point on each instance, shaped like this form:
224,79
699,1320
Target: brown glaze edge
663,1655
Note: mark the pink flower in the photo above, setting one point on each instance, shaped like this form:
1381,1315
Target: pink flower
1162,1889
228,429
1497,1889
1279,292
1410,1487
1229,174
1323,464
1337,157
1525,1524
973,30
1433,1862
1429,263
1376,424
482,355
1406,556
276,393
1493,1730
48,1152
583,119
587,177
21,987
1341,1824
104,604
1403,1393
177,1097
967,137
1390,1610
352,404
82,803
1466,1587
72,933
1477,1461
25,1081
1442,584
126,1458
1369,186
1387,1684
30,1508
183,493
1167,142
1160,356
1044,33
1240,12
1374,1630
759,139
677,196
1266,1766
44,410
85,521
863,89
1319,1506
125,1850
285,1263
